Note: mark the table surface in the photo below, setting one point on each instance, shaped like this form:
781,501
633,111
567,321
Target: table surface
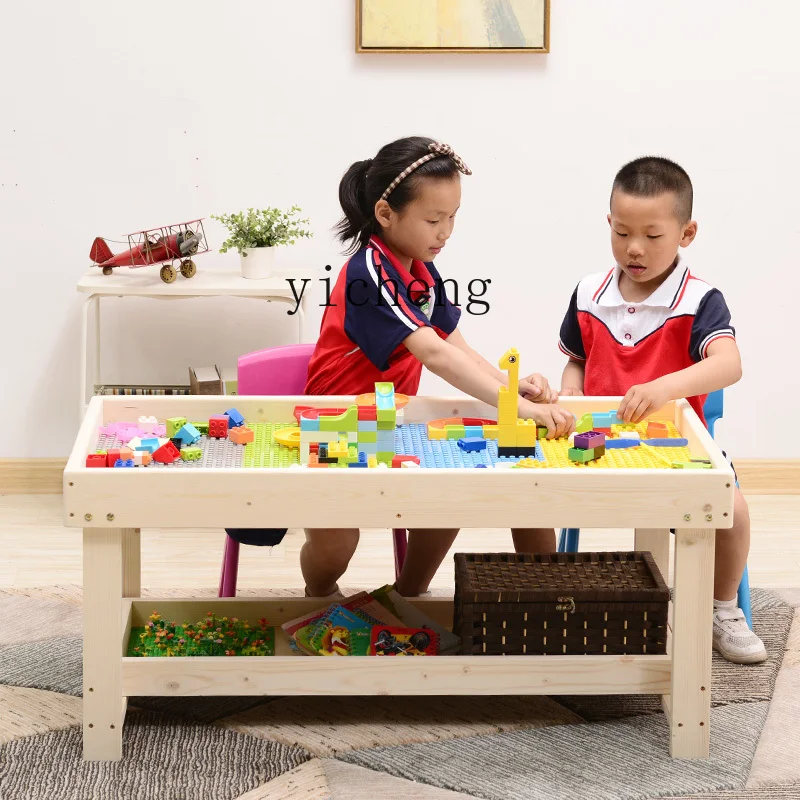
145,282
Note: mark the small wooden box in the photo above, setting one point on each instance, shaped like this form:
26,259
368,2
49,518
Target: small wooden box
560,603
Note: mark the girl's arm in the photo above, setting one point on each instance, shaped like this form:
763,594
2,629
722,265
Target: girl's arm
572,378
534,388
453,365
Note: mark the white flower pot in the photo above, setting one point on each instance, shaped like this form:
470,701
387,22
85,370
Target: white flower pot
258,262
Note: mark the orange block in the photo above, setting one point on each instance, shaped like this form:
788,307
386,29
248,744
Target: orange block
241,435
657,430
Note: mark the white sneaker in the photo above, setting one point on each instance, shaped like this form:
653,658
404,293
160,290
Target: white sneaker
733,639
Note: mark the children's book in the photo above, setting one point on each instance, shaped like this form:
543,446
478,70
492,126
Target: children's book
412,617
340,633
404,642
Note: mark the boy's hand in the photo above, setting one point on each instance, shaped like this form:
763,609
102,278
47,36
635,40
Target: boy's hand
558,421
570,391
537,389
643,400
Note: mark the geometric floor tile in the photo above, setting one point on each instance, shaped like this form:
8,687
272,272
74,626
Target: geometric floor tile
26,712
604,761
306,782
777,757
197,709
162,758
25,619
53,664
329,726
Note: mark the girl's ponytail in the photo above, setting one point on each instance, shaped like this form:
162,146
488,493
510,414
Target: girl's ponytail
358,214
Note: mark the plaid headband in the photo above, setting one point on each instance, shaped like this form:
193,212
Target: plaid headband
437,149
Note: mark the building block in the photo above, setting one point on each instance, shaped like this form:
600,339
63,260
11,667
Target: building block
202,427
367,436
605,419
385,457
384,402
589,440
218,427
241,435
125,453
97,460
367,414
455,431
348,421
370,426
370,448
177,441
472,444
126,463
629,435
526,463
191,454
667,442
383,425
584,424
398,461
112,457
507,435
314,437
309,424
541,433
657,430
188,434
361,463
473,431
135,443
142,458
166,454
338,449
526,433
236,419
147,424
691,465
585,456
621,444
414,465
372,461
174,424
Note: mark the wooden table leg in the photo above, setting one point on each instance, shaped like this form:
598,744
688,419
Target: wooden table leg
656,540
690,703
131,562
104,564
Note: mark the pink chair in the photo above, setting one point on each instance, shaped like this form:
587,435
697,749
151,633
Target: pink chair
278,371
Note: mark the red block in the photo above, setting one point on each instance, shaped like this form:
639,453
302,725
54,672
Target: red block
96,460
218,427
112,457
475,421
368,413
166,454
397,461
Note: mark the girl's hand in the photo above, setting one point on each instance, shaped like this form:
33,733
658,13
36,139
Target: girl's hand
643,400
558,421
570,391
537,389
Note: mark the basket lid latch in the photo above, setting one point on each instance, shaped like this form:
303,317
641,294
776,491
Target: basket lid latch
566,604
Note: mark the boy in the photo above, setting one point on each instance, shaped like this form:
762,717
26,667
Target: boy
651,331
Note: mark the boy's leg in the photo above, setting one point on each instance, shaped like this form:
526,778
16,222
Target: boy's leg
732,638
534,540
325,556
427,548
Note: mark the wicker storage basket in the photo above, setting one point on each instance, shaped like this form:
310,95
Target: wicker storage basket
560,603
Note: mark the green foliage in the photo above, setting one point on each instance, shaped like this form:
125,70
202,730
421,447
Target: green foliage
266,227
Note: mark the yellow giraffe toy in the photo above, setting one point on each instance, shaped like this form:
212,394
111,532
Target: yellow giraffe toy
515,437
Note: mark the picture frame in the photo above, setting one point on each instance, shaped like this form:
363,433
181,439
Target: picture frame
453,26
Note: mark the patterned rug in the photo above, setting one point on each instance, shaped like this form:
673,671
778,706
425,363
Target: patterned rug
364,748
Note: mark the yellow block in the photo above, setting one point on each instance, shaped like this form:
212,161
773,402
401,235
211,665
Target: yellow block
288,437
507,436
372,462
526,433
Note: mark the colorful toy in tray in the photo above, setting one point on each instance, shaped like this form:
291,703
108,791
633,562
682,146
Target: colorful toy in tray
177,440
212,636
380,623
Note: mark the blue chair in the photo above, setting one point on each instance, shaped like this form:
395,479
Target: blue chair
569,538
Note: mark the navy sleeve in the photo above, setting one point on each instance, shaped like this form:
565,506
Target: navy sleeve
570,341
379,315
445,315
712,321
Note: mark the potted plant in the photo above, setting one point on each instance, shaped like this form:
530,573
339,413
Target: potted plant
256,233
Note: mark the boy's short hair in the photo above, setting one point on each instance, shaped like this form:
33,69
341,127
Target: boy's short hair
650,176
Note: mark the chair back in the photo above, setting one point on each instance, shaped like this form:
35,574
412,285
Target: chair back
712,410
275,371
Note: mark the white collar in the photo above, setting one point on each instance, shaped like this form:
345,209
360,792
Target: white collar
666,296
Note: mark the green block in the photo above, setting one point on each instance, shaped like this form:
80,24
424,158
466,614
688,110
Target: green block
584,424
202,427
582,456
455,431
690,465
385,457
191,453
352,454
343,423
386,426
541,433
174,424
387,415
367,437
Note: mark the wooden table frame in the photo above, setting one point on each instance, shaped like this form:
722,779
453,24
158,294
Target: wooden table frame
113,505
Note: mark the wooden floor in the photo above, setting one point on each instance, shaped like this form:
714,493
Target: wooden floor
36,550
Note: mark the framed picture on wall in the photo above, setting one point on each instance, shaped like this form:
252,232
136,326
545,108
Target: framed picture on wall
452,26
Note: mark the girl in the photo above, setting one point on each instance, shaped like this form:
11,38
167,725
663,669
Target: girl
388,315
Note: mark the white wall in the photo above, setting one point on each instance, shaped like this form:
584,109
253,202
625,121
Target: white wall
118,117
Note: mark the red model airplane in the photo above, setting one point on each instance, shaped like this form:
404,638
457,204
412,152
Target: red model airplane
172,243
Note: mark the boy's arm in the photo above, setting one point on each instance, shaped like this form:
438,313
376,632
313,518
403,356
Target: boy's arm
459,370
572,379
534,388
721,367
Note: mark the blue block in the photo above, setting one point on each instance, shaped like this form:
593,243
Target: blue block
667,442
127,463
473,431
309,424
362,461
472,444
235,419
368,425
481,466
606,419
150,445
370,448
621,444
188,434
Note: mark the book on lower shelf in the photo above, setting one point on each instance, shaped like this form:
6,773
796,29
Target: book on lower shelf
213,380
